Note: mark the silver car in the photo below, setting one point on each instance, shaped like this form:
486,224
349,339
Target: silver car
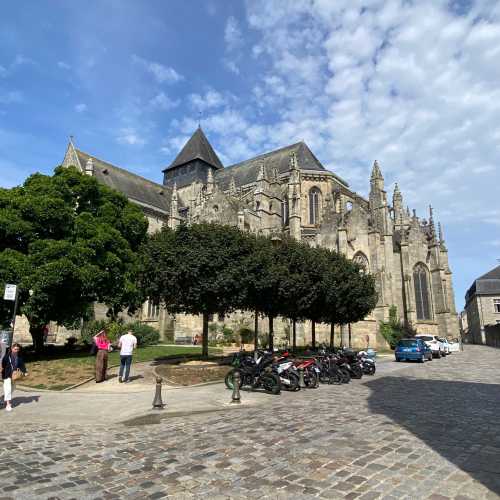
434,343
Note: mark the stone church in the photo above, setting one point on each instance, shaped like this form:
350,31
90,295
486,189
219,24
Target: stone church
289,191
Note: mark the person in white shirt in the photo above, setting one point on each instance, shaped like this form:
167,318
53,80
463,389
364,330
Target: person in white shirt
127,344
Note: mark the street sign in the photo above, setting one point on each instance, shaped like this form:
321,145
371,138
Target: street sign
10,292
5,336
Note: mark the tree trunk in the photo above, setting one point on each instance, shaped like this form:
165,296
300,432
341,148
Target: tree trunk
350,344
204,341
294,335
332,335
313,334
271,333
256,332
36,332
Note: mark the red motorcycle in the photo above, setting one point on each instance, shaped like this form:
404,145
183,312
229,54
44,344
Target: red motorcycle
311,372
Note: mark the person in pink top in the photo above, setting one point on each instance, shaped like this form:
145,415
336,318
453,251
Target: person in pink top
101,362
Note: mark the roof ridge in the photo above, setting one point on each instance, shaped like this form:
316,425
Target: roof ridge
128,172
273,151
491,274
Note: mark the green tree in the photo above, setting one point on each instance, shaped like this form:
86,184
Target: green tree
196,269
393,331
348,292
68,241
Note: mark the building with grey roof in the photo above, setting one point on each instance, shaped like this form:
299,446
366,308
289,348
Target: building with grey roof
289,191
482,305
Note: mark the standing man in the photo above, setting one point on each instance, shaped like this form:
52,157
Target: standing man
127,344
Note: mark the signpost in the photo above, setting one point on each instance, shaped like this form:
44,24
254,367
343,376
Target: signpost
11,293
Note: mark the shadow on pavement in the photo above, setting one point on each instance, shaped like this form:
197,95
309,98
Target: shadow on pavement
458,420
24,400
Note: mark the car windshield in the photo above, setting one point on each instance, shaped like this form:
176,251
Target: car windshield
408,343
426,338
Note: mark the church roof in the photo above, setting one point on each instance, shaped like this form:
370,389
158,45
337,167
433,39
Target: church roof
487,284
246,171
197,148
133,186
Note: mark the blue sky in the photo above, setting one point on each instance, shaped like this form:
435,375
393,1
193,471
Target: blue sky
411,84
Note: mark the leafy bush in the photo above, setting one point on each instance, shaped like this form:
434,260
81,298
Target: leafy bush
146,334
246,335
393,331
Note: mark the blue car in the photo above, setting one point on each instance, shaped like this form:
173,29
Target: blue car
413,349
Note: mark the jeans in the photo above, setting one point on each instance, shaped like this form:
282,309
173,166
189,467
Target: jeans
125,362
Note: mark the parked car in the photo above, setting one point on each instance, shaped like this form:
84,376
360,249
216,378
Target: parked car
434,343
446,345
454,345
413,349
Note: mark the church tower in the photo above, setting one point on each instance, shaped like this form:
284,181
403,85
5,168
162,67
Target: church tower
197,161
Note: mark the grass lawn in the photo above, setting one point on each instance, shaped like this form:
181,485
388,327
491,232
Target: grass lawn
58,368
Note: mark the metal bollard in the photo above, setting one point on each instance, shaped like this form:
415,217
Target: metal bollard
157,401
236,398
302,384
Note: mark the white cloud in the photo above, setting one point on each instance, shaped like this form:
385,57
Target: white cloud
10,97
232,34
211,99
231,66
81,108
63,65
163,102
160,72
129,136
409,83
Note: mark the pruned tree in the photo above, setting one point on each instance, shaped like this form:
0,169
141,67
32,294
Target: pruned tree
197,269
68,241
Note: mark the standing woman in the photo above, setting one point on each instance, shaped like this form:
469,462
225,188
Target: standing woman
101,362
12,369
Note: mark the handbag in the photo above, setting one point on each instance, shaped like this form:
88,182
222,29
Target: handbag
16,375
93,349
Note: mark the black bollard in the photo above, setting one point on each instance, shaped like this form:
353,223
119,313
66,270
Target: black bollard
302,384
236,398
158,402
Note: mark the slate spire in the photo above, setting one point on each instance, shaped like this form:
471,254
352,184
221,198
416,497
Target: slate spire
197,148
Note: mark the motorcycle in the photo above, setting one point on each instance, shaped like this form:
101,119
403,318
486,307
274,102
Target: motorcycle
254,373
367,364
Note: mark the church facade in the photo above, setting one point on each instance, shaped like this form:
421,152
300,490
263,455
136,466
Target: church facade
289,191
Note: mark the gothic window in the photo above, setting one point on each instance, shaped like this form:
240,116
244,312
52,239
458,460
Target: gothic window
153,310
314,198
362,260
285,211
422,302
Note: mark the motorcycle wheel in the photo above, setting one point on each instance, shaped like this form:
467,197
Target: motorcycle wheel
271,383
370,370
357,372
335,377
346,376
294,382
312,379
228,380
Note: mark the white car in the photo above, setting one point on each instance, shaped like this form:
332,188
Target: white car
446,345
454,345
434,343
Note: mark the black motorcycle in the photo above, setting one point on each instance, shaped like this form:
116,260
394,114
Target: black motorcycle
254,373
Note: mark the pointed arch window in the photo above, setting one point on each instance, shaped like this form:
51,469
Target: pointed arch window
421,284
362,260
314,199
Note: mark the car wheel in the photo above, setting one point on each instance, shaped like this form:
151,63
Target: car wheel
422,359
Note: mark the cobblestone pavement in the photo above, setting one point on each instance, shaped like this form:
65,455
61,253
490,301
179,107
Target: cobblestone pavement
426,431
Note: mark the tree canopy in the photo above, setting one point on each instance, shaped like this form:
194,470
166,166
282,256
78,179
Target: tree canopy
70,241
196,269
209,268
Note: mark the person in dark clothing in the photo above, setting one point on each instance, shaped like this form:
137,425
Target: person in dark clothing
12,367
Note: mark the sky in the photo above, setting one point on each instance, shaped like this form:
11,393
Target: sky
413,84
